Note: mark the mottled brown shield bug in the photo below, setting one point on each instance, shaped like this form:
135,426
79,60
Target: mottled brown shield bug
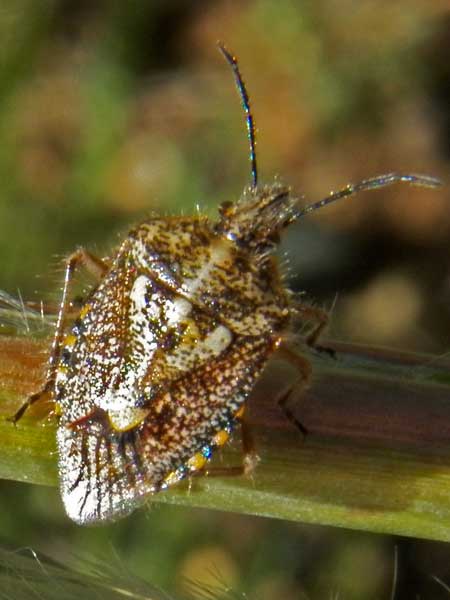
154,372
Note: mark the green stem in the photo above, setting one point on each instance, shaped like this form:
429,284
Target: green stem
377,456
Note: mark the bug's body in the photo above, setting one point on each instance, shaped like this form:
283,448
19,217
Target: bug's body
165,351
154,372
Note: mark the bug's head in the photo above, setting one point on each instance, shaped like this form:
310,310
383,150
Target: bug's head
256,221
263,211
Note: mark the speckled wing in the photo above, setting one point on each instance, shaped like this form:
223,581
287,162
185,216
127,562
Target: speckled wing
155,366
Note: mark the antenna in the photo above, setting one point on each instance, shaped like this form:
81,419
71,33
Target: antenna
232,61
371,184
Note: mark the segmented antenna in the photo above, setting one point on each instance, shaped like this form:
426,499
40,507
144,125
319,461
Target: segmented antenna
232,61
371,184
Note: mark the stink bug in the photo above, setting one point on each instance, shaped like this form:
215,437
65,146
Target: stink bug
154,372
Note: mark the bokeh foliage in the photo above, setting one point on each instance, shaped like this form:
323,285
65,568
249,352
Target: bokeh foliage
111,111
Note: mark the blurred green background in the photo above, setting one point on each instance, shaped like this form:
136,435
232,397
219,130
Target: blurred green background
113,111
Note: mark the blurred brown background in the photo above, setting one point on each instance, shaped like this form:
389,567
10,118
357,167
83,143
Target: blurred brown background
112,111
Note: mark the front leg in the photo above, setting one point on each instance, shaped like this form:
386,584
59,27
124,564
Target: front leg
303,367
97,267
306,312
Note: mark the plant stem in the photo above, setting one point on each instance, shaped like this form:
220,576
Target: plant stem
376,458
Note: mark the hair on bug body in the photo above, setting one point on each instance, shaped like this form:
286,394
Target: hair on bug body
154,372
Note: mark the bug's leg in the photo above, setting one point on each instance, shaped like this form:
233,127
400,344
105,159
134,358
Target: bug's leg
321,319
42,394
51,309
303,367
93,265
96,267
250,458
